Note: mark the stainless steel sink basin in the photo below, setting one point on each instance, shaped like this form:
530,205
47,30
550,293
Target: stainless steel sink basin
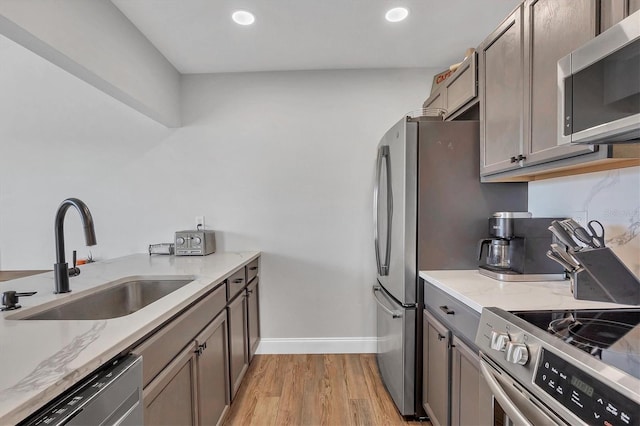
121,299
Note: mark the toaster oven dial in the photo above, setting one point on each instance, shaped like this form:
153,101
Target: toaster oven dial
180,241
517,353
197,240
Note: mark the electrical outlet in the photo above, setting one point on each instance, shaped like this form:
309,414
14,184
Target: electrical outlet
580,217
199,222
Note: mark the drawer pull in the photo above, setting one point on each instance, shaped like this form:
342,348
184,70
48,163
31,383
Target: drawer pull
253,268
238,280
446,310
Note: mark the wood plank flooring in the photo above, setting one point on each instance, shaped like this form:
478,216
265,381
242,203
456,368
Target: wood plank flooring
335,389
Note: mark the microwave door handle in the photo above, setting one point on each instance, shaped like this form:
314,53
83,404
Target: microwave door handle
503,399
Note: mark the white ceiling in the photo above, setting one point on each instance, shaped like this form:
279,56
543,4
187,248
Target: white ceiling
198,36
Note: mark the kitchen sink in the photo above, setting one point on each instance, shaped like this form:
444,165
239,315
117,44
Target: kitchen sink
118,300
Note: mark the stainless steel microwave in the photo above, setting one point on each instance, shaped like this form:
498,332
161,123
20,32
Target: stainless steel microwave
599,88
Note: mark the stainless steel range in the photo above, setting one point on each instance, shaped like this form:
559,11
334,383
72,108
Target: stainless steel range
563,367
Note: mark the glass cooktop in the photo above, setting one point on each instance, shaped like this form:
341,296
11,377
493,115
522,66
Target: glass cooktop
612,336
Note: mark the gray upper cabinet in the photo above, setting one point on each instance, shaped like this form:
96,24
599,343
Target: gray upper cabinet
614,11
552,29
461,89
459,92
518,91
436,100
500,77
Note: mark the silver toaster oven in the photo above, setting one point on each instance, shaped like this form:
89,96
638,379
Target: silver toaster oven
195,243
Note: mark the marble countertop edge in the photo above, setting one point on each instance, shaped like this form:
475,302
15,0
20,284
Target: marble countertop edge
45,374
478,291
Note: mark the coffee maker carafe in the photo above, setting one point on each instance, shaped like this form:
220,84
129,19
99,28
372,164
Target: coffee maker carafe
516,249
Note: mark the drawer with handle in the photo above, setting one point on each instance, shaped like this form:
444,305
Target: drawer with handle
159,349
451,311
252,270
235,283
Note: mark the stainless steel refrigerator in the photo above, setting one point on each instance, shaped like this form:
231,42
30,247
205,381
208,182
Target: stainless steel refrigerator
430,211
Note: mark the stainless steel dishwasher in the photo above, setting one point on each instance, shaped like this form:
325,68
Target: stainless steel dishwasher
112,395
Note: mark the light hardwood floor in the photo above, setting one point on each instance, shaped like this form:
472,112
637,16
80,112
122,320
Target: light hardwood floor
334,390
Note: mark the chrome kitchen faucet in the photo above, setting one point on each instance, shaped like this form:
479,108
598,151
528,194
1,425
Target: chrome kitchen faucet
61,268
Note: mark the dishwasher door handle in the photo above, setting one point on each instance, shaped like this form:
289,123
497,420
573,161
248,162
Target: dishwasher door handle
393,313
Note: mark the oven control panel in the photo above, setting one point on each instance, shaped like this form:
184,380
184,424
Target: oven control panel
587,398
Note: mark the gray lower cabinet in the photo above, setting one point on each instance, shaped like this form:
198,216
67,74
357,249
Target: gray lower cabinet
451,364
435,369
253,320
238,342
193,365
194,387
213,375
171,398
465,381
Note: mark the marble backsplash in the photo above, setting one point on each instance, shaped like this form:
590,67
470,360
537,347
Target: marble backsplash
612,197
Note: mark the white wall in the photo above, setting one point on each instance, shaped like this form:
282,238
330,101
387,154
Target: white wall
279,162
92,40
611,197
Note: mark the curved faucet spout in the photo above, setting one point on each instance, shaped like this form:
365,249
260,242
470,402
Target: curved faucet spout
61,269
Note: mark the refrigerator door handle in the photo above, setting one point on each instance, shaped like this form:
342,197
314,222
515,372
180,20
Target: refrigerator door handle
383,156
394,314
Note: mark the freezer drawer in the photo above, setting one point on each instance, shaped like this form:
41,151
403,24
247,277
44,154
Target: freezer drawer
396,350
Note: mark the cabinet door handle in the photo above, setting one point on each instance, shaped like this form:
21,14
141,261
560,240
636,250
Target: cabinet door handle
440,337
521,157
201,348
513,159
238,280
446,310
249,291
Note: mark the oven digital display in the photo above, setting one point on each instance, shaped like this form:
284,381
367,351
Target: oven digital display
581,386
589,399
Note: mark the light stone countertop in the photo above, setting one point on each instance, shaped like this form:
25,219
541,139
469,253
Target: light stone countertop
39,359
478,291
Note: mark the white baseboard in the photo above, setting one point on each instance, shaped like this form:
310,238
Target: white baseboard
328,345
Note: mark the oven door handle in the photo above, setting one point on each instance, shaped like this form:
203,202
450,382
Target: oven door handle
503,399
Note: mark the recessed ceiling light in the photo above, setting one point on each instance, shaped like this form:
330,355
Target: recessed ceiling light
242,17
396,14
